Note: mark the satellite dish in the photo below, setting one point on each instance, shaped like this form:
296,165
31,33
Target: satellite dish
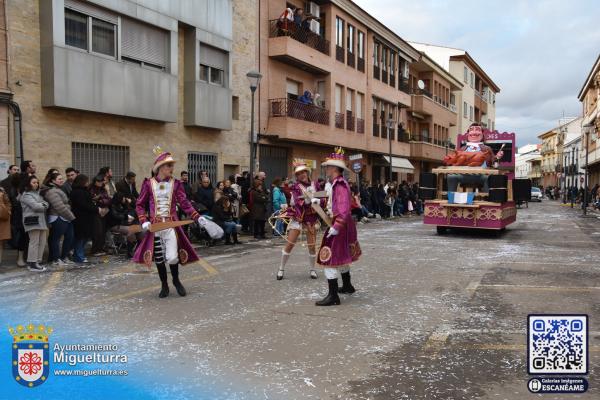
421,84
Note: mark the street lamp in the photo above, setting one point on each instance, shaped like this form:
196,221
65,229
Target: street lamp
588,128
254,79
572,173
390,124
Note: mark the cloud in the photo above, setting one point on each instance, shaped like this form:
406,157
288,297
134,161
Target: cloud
538,52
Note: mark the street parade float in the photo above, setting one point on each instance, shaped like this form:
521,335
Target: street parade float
474,189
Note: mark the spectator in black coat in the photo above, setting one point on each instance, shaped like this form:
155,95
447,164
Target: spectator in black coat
85,212
126,187
204,195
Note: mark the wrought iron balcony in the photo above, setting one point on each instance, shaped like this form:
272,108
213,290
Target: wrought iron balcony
295,109
290,29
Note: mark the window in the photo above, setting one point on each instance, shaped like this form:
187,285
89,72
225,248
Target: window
338,99
350,39
349,96
204,72
384,58
339,32
361,45
359,105
472,79
102,37
292,89
466,75
144,44
471,113
214,64
465,109
88,158
197,162
392,63
376,54
76,29
216,76
235,108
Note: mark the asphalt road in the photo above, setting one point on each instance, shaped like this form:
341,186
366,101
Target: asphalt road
434,317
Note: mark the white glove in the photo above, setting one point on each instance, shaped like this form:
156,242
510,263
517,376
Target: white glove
332,232
315,200
201,221
146,226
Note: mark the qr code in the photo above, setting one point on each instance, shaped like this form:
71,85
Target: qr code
557,344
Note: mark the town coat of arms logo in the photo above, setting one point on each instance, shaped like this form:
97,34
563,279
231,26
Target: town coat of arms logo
30,354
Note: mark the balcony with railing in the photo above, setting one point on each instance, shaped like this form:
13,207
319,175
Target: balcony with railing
339,53
292,44
481,102
350,121
360,65
351,59
403,85
376,128
360,125
339,120
425,147
424,102
376,72
295,109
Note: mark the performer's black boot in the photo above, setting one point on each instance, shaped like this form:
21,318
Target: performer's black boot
347,285
130,248
235,238
228,239
176,282
332,297
162,274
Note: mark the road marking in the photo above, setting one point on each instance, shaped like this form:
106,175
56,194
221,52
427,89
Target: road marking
211,271
42,298
436,341
472,287
531,287
207,266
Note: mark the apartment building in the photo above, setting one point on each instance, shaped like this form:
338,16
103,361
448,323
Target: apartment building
432,114
553,152
589,96
101,82
357,71
528,163
476,100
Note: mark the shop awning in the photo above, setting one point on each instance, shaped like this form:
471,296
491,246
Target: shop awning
400,165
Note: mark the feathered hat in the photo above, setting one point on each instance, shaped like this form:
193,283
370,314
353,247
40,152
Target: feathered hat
299,166
336,159
162,157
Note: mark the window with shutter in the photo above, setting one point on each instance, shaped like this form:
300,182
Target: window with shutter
215,62
144,43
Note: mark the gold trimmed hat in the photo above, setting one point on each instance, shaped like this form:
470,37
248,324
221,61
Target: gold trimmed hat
162,158
336,159
299,166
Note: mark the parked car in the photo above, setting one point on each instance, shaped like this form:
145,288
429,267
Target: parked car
536,194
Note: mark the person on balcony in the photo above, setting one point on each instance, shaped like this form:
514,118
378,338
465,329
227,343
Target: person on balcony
306,98
300,20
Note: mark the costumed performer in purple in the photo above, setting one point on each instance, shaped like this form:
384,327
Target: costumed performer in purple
340,246
158,201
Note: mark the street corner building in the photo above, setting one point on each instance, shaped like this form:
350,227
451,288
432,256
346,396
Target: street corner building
101,82
342,78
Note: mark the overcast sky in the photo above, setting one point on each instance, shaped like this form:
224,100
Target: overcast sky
538,52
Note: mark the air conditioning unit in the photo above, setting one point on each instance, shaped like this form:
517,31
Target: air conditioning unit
315,26
314,9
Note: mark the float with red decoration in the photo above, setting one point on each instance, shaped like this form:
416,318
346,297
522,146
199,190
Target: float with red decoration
475,187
